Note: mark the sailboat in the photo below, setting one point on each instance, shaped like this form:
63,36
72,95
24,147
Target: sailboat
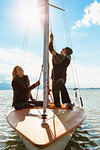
46,128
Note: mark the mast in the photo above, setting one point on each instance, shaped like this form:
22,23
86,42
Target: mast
45,59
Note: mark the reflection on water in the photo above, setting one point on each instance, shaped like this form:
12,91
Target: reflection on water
14,142
86,136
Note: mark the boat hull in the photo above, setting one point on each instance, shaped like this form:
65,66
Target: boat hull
55,134
58,145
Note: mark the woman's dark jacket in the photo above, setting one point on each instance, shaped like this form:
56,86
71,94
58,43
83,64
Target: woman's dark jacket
21,89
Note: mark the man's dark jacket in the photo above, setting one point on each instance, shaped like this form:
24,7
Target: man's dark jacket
60,64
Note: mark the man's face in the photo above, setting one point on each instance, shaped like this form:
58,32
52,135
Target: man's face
63,51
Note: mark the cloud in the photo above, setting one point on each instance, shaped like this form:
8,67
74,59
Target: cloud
91,16
12,57
88,76
84,76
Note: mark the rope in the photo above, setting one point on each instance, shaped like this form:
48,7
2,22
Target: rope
50,30
24,46
23,53
70,44
38,88
50,94
39,80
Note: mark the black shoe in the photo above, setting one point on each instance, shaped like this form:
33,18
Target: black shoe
58,106
70,106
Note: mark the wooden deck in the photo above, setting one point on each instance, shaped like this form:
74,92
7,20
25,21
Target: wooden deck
60,122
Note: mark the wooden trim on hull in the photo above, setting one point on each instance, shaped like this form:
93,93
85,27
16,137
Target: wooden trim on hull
60,122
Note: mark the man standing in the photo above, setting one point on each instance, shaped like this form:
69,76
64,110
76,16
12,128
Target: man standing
60,64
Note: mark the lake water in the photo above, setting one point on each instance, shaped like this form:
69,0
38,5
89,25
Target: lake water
86,136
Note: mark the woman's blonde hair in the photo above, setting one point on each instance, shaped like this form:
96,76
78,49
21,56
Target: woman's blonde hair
14,72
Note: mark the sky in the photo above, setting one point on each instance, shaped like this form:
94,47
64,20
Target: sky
21,39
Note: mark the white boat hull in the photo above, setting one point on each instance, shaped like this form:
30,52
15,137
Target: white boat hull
58,145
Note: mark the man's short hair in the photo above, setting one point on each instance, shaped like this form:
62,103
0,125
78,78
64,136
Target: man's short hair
68,51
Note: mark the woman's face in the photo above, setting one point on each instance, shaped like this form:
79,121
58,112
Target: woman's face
19,72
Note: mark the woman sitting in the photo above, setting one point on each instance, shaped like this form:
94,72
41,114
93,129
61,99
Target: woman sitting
22,97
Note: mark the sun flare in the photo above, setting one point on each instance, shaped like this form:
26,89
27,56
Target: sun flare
25,13
28,12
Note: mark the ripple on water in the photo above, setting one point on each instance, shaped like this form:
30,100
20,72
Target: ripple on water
14,142
86,136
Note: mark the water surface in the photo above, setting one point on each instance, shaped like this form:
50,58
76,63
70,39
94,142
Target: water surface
86,136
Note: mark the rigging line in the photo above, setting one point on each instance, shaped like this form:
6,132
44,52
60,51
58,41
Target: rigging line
67,30
67,42
50,94
39,80
39,111
38,88
23,45
50,30
66,26
73,75
24,48
76,75
68,38
66,33
66,23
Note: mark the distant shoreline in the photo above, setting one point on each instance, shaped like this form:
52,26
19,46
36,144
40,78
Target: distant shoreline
84,88
7,86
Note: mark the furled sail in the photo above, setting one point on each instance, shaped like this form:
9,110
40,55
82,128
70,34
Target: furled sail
44,21
41,11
